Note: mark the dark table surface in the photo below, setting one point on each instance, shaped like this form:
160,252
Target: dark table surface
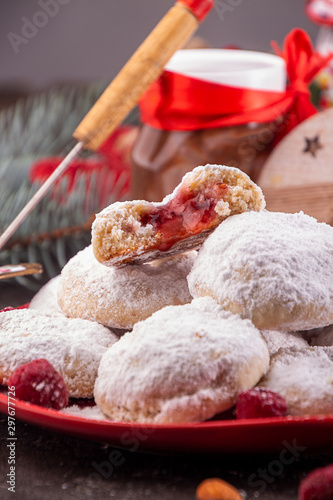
55,466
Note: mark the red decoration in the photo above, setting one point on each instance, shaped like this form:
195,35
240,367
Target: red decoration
179,102
199,8
303,64
320,11
112,160
39,383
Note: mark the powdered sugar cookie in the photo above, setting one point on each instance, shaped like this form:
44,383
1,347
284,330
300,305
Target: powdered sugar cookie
45,299
327,350
119,297
73,346
277,340
304,377
140,231
273,268
184,363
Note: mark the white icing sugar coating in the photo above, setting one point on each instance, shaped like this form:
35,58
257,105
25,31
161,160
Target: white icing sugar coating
119,297
73,346
277,340
45,299
328,350
273,268
304,377
184,363
91,412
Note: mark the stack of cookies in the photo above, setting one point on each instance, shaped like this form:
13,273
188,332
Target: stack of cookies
190,302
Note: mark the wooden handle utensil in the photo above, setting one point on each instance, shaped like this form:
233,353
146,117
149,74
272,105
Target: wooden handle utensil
23,269
122,94
143,68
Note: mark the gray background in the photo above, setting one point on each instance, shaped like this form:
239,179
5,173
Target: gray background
92,39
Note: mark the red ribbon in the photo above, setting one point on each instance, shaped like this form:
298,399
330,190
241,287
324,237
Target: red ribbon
179,102
111,166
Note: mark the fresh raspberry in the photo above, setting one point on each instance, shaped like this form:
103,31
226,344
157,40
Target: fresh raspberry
318,485
260,403
38,382
5,309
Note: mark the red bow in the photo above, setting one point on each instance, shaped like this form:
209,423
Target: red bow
302,64
179,102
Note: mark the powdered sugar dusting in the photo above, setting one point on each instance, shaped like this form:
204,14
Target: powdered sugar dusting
304,377
273,268
277,340
184,363
91,412
73,346
119,297
45,299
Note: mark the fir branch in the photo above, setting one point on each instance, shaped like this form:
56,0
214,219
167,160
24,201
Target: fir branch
39,126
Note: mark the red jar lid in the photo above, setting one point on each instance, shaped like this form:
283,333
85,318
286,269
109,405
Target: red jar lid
199,8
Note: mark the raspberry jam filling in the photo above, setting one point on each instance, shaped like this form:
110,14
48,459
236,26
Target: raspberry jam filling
188,213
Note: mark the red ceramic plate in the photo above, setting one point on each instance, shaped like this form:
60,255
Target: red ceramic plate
269,435
295,434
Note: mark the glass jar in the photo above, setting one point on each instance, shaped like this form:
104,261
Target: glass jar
163,154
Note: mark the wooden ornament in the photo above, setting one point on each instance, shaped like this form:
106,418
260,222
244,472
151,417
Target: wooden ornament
298,175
